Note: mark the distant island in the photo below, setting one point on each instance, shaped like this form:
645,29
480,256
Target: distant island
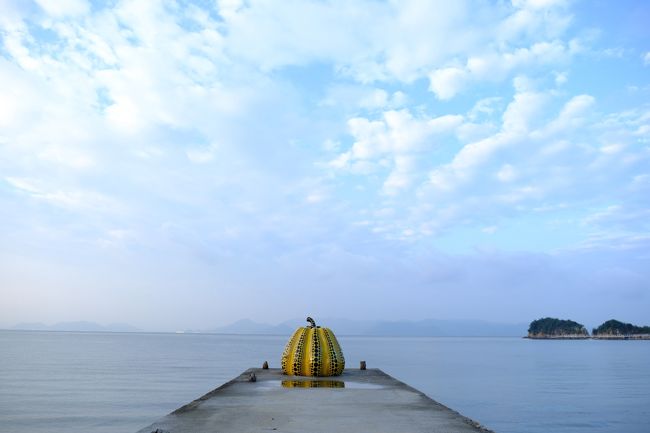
79,326
549,328
615,330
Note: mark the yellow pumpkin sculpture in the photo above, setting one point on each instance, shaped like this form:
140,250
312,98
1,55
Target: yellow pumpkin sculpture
313,351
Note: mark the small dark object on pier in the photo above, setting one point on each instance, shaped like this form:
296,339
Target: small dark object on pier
362,365
265,366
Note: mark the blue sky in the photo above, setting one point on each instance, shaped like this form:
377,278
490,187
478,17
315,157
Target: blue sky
184,164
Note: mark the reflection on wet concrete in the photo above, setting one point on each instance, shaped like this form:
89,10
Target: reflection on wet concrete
270,385
307,383
329,383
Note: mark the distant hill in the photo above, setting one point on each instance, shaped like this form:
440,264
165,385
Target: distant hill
77,326
616,329
31,326
247,326
422,328
548,328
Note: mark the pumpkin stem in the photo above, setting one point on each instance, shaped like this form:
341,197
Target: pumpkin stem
311,322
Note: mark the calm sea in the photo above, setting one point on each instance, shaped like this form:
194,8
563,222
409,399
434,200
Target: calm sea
102,382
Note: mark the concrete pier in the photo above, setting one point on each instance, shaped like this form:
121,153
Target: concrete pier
357,401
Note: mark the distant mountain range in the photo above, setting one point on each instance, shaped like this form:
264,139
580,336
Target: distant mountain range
77,326
420,328
247,326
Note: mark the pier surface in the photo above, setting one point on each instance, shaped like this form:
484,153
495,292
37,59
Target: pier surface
357,401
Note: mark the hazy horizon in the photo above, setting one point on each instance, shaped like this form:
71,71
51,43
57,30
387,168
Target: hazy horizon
289,324
182,165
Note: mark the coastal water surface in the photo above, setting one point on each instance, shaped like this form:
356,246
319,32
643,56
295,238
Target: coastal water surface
110,382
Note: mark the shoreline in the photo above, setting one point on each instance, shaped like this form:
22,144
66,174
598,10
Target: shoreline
622,337
589,337
557,337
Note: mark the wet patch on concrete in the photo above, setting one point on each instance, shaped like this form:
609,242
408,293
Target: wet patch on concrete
357,401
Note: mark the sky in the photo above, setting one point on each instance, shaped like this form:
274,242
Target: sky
185,164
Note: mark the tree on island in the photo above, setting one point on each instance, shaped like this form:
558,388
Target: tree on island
614,327
549,327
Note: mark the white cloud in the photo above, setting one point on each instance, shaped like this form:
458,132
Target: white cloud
524,111
202,155
402,42
378,98
401,176
490,230
67,156
13,104
646,58
611,149
495,66
518,118
23,184
572,115
330,145
64,8
577,106
447,82
399,136
351,98
537,4
547,18
553,155
315,197
467,160
399,99
561,78
397,132
71,199
293,33
228,8
506,173
114,238
519,194
484,107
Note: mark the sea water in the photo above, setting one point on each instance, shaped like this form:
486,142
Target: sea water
120,382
